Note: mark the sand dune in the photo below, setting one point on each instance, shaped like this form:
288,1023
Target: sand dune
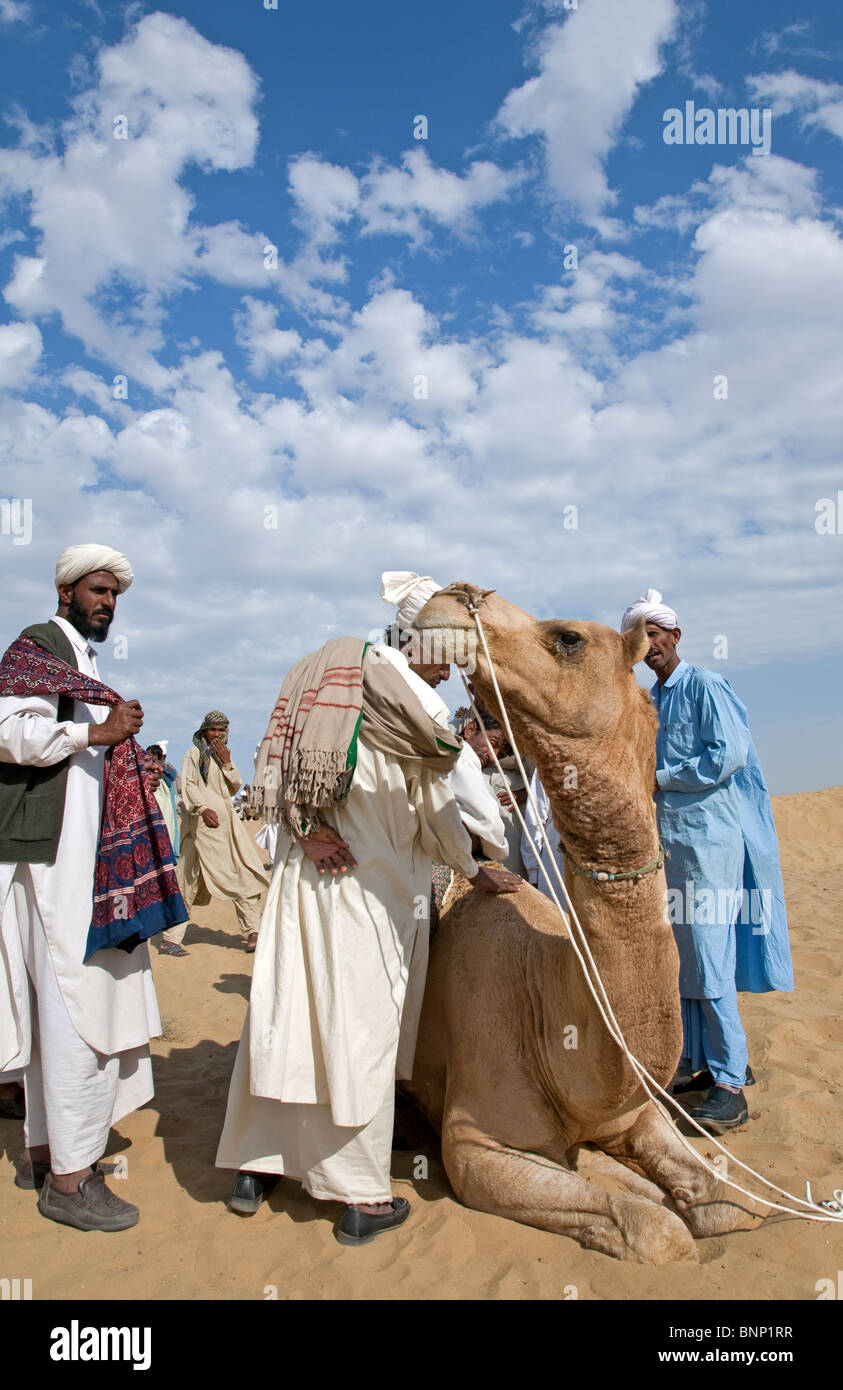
188,1246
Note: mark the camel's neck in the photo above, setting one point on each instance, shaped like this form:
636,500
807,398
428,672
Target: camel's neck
603,809
601,801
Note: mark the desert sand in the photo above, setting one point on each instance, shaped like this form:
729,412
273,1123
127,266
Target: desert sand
188,1246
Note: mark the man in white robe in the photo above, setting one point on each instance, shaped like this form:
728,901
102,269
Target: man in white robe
79,1031
337,991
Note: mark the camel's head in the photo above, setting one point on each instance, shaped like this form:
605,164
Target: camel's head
562,675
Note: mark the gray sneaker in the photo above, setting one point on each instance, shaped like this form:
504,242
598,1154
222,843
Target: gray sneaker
93,1207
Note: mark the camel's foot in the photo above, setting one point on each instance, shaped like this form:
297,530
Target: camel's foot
708,1205
534,1190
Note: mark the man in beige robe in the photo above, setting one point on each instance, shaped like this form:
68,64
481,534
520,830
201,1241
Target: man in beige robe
337,989
218,855
171,939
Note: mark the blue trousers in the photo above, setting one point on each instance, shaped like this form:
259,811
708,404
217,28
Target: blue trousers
714,1038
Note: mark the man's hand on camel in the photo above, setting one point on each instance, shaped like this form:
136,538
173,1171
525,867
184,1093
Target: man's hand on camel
496,881
210,818
328,851
124,721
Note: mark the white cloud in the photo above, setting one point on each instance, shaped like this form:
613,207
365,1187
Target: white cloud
261,339
326,196
111,211
20,349
407,200
15,11
591,69
818,103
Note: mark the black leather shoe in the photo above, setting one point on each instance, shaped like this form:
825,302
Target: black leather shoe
722,1109
683,1082
358,1227
250,1190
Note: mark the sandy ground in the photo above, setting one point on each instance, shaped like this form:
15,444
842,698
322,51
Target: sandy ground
188,1246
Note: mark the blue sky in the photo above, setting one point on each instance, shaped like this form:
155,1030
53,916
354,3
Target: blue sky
273,455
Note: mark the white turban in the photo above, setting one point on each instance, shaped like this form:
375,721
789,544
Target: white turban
409,591
78,560
651,609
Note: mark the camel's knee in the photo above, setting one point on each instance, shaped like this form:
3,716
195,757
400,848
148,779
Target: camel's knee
473,1169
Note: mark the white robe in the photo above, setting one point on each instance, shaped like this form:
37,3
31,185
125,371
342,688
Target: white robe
546,839
337,987
479,808
110,1000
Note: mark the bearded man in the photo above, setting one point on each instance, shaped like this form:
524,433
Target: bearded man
86,877
218,855
722,866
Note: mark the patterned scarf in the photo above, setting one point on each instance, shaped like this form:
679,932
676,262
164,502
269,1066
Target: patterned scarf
216,719
343,692
135,892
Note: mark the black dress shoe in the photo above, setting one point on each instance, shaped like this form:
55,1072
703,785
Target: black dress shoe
684,1082
358,1227
703,1081
250,1190
722,1109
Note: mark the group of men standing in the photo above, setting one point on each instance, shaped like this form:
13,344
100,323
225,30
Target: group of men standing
367,790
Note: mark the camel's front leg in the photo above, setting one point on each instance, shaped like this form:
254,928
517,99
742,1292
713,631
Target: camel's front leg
711,1208
538,1192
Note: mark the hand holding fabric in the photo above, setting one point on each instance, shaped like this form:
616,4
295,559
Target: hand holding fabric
124,721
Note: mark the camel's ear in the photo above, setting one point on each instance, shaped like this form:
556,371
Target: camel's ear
635,642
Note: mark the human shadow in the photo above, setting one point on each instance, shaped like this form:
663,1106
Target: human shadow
234,984
210,936
191,1091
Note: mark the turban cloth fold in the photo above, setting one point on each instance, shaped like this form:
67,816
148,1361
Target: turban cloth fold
78,560
214,719
651,609
408,591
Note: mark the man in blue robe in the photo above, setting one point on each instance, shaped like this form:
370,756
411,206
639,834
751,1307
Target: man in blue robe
724,882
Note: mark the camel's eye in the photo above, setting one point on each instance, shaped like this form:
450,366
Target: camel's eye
568,641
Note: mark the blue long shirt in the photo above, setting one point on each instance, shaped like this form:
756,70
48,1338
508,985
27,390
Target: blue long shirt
716,823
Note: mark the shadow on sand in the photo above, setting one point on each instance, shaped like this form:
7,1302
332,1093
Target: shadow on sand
191,1090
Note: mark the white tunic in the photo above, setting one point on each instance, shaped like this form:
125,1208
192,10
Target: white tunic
546,839
111,999
479,807
337,987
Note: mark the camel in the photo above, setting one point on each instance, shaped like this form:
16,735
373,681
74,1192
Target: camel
541,1116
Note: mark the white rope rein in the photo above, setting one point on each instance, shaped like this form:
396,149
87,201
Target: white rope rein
817,1212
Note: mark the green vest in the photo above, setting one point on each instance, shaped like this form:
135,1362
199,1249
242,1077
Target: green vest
32,798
